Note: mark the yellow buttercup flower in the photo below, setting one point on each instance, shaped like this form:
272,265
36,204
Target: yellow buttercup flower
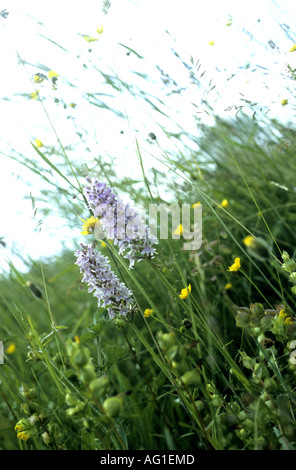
235,266
284,102
288,321
52,74
34,95
39,143
89,225
100,29
77,339
11,348
148,312
228,286
196,204
185,292
90,39
293,48
224,203
179,230
211,43
249,240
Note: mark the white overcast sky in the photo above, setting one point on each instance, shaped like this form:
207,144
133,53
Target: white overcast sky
142,25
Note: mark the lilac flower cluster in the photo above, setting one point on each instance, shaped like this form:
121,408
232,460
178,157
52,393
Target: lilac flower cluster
104,284
98,193
120,222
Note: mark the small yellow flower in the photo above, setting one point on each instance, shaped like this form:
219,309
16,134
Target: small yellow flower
11,348
39,143
100,29
52,74
34,95
235,266
211,43
179,230
22,435
282,314
185,292
72,105
288,321
249,240
39,78
229,23
77,339
284,102
293,48
196,204
89,225
103,244
19,426
224,203
148,312
228,286
90,39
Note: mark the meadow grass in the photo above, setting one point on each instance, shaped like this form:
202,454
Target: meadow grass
212,369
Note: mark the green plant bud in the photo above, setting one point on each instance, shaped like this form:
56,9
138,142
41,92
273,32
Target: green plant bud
46,438
285,256
72,411
33,419
175,353
99,386
290,265
180,367
293,289
191,378
70,400
210,388
25,407
241,432
87,374
216,400
167,340
113,406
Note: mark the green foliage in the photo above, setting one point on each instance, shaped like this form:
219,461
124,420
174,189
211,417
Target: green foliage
209,371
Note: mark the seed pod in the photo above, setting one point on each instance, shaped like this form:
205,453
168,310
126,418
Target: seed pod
99,386
113,406
167,340
191,378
